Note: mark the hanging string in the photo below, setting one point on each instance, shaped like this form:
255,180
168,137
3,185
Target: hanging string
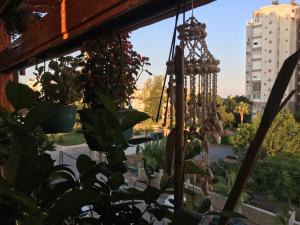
192,8
171,55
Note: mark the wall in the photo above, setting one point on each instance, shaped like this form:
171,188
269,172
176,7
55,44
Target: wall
4,41
255,215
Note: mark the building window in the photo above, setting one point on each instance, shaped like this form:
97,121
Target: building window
270,60
270,32
269,70
270,22
256,96
256,20
269,79
270,51
286,40
286,29
270,42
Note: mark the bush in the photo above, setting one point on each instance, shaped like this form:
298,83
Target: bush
278,176
154,152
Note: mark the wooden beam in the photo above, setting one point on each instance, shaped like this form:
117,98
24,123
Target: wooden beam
179,114
4,77
62,31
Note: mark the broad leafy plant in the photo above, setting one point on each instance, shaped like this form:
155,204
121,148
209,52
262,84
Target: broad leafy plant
59,84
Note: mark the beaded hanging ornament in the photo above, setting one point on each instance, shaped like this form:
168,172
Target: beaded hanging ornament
200,87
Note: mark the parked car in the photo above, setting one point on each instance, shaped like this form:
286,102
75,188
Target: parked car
156,135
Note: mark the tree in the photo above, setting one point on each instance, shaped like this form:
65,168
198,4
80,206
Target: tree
242,108
152,92
283,136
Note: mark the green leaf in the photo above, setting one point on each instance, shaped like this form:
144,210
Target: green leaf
38,115
20,198
22,162
20,95
117,157
129,118
205,206
84,164
107,102
151,194
191,167
184,216
160,213
138,141
117,179
71,203
166,182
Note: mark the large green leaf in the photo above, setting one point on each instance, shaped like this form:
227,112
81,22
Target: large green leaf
38,115
152,194
129,118
137,141
20,95
70,203
107,102
160,213
116,179
191,167
84,164
205,206
22,162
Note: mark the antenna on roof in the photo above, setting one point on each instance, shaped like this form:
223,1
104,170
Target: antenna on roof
275,2
293,2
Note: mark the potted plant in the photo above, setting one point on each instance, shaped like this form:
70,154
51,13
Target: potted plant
112,68
59,85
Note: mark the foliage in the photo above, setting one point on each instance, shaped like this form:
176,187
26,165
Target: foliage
9,120
283,136
227,109
278,176
297,116
15,20
111,66
281,219
60,83
242,108
151,95
154,152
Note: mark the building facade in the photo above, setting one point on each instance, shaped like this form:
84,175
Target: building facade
273,34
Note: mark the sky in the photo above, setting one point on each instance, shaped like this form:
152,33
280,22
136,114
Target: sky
226,27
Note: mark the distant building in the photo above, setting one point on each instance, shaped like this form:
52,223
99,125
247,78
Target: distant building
273,34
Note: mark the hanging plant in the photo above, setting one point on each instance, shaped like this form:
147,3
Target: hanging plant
112,67
15,21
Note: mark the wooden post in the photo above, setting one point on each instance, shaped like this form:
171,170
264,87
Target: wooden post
4,42
179,110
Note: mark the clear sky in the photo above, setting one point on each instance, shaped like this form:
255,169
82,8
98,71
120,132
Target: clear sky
226,27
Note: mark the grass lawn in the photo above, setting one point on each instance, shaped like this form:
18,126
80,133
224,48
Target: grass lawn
68,139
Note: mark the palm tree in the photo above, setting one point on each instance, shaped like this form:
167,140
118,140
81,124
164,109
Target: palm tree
242,108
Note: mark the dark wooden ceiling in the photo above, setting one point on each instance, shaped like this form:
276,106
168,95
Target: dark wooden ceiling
70,22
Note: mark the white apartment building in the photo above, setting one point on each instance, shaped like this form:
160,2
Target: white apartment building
273,34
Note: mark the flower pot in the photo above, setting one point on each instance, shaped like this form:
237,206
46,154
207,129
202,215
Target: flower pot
90,140
62,121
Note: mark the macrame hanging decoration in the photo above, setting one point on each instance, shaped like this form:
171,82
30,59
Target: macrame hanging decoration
200,92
